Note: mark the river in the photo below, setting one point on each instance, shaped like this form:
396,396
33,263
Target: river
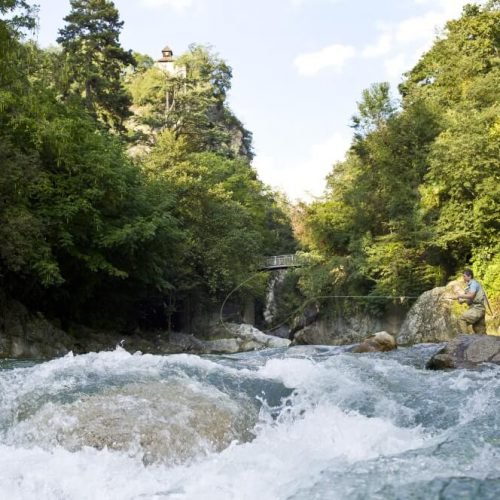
299,424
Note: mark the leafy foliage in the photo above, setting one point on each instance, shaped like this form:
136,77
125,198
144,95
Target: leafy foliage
88,233
417,197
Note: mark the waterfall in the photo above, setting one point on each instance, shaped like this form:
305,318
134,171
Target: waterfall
270,310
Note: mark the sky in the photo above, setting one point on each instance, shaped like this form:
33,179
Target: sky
299,66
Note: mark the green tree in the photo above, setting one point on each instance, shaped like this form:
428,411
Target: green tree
374,109
88,234
417,196
460,77
18,17
95,59
221,204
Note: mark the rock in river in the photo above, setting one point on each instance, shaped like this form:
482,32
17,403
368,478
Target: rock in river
467,351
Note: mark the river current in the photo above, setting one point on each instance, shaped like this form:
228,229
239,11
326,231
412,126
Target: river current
299,424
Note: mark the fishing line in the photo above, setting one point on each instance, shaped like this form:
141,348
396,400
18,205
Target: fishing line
392,297
401,298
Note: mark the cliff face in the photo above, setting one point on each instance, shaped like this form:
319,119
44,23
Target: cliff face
27,335
349,329
433,318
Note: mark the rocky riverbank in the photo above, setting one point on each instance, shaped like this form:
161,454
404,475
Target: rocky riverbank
27,335
432,319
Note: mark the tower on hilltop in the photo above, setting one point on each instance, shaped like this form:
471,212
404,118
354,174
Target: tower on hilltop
167,63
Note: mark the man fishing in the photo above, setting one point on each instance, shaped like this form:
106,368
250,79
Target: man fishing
474,296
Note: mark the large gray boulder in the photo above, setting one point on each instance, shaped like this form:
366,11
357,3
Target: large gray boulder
432,317
316,334
467,351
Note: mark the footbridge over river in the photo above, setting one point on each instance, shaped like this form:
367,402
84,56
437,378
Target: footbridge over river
280,262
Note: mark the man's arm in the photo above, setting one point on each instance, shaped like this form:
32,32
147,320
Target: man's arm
469,294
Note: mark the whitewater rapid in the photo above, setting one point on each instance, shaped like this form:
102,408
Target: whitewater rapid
298,423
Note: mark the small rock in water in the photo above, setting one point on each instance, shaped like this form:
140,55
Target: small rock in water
379,342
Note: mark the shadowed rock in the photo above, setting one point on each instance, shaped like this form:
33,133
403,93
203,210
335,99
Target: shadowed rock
28,335
467,351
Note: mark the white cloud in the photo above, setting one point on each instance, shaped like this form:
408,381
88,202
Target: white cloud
275,174
450,7
424,27
404,36
419,27
299,3
412,36
382,46
269,171
178,5
306,177
332,56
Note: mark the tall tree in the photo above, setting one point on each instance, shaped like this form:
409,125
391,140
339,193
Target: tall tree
460,77
95,59
17,16
375,108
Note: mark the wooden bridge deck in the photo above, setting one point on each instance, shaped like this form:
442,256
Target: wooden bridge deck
280,262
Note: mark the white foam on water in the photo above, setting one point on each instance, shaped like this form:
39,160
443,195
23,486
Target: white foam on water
29,474
291,372
310,433
288,453
283,457
70,372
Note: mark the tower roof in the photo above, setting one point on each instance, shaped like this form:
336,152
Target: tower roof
167,55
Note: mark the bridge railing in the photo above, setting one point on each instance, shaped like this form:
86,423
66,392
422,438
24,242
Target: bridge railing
281,261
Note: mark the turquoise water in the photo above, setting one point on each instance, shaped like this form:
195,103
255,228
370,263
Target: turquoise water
299,423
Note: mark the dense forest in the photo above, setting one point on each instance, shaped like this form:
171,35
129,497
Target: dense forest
114,209
417,197
127,194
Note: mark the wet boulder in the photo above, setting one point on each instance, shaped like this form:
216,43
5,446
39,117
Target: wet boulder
378,342
158,422
316,335
467,351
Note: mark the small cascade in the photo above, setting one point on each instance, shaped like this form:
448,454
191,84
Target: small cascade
270,311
